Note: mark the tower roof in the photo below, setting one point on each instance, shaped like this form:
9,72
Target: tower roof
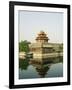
42,36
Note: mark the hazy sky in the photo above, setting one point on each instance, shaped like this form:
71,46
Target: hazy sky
31,23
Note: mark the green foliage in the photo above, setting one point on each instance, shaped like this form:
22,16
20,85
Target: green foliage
24,46
23,64
61,47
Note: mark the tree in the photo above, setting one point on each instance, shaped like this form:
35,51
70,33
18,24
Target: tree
24,46
61,47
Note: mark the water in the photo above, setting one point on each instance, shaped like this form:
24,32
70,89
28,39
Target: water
29,69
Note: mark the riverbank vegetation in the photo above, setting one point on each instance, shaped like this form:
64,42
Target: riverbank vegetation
24,46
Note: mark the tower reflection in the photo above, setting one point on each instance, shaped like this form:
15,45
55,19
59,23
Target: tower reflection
41,66
44,65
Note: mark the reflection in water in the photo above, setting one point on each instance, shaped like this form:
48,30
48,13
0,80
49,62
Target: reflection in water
51,67
23,64
42,70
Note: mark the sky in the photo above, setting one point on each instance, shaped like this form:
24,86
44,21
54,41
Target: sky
32,22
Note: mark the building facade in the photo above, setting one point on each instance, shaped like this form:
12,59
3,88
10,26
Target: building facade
43,49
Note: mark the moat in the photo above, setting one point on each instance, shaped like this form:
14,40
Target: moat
29,69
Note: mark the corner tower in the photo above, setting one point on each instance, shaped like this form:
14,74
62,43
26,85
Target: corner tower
42,37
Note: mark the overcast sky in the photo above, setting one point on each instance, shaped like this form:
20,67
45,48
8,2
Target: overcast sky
31,23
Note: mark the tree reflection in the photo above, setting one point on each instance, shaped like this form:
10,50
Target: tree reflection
23,63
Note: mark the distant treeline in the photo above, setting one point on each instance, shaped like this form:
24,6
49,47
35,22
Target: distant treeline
24,46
